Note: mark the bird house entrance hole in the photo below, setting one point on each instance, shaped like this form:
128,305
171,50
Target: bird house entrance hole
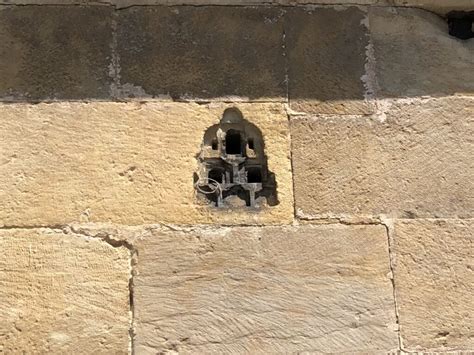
232,162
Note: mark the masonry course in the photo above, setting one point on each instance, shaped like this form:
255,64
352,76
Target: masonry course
306,55
125,163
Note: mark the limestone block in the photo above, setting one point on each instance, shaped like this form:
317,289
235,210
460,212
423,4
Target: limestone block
326,56
55,52
62,294
202,52
127,163
264,290
416,163
434,282
428,61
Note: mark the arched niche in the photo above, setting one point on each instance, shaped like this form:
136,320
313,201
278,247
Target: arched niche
232,162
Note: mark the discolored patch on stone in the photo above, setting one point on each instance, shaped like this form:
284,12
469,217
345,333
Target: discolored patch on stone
417,163
62,292
428,61
202,52
326,55
55,52
126,163
434,280
264,290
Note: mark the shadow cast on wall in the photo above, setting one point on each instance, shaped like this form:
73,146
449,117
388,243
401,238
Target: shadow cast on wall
319,54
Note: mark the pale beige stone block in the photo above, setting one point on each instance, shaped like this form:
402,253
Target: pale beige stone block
414,160
434,282
62,294
124,163
264,290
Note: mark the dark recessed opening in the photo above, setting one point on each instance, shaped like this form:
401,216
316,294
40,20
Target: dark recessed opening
461,24
254,175
214,144
251,144
216,175
233,143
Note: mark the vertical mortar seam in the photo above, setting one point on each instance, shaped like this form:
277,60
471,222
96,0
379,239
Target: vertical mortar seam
287,82
388,224
287,60
114,67
131,331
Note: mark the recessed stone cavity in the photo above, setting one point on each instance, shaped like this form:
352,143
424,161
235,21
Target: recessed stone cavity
233,163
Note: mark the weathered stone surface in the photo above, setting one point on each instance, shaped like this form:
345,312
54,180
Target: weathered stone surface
124,163
417,163
439,6
62,294
427,62
434,282
55,52
326,55
264,290
202,52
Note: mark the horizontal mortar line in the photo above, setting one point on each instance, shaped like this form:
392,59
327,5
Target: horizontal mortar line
382,218
199,102
117,7
324,222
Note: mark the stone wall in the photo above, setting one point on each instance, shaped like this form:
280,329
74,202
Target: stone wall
366,109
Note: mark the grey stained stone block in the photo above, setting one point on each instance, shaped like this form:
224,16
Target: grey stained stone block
326,55
202,52
416,56
55,52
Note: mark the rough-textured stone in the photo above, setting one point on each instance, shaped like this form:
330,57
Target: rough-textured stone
264,290
62,294
439,6
326,55
55,52
428,61
202,52
124,163
434,283
418,162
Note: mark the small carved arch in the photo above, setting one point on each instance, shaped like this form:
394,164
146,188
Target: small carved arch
232,162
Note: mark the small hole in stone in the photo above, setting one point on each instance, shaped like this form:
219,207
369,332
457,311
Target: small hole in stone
254,175
216,175
251,144
233,142
461,24
214,144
